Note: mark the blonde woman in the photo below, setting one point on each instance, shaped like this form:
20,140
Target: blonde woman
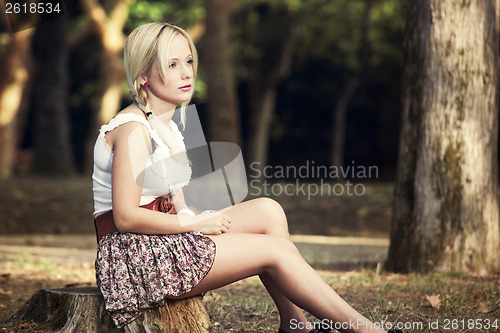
151,245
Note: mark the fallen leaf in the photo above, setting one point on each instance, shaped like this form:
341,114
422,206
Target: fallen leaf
29,241
401,278
483,308
213,295
434,300
5,293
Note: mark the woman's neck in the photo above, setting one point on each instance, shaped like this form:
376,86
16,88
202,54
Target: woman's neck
164,116
163,110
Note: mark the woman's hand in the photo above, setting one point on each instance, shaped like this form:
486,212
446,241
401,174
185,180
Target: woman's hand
214,223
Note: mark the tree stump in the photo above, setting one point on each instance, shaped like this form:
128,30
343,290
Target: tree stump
83,310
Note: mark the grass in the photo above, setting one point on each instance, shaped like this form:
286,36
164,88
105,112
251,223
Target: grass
384,298
37,205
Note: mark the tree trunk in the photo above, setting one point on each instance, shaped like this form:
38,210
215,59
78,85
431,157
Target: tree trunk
82,310
53,150
445,206
14,69
262,103
223,113
339,122
262,91
111,72
340,112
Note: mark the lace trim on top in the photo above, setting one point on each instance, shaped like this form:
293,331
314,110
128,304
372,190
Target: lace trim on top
174,175
122,118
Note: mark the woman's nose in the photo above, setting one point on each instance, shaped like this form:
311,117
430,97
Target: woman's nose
187,72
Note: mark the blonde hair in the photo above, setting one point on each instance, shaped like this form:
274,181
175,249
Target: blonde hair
145,46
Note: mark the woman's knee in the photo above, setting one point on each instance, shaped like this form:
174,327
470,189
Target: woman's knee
281,252
273,212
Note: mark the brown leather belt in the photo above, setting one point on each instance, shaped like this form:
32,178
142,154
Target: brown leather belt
105,224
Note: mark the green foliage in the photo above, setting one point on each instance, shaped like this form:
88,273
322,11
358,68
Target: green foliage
142,12
182,13
328,52
333,31
259,31
326,55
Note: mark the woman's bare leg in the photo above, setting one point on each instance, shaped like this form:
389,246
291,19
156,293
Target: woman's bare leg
243,255
266,216
259,216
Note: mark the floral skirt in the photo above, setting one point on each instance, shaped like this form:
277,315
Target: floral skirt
136,271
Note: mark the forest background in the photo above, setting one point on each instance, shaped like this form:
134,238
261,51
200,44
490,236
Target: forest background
289,81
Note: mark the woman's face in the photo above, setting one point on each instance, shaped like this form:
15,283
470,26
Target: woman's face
179,84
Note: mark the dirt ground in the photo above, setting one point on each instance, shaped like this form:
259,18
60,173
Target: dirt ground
47,241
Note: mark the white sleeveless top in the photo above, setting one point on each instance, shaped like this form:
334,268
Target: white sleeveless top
162,176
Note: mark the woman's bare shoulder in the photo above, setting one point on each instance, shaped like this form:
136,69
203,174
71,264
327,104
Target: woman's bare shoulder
125,129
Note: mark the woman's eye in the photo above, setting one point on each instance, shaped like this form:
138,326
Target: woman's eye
190,61
171,65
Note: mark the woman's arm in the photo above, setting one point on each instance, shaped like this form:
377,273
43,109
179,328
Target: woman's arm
132,146
131,149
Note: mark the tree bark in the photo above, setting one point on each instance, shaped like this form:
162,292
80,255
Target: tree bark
15,73
262,91
223,114
53,150
111,72
83,310
339,121
342,105
445,205
262,104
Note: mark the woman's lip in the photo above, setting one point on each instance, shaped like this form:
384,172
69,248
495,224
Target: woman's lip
187,87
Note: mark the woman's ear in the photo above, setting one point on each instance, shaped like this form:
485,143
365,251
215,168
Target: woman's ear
143,81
